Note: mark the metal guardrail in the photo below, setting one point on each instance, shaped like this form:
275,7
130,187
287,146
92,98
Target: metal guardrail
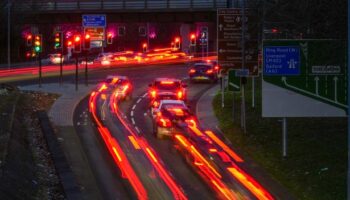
117,5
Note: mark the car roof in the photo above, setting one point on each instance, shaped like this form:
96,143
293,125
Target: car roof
203,64
168,79
169,101
117,76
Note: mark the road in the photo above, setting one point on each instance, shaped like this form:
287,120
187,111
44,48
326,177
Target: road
191,183
114,182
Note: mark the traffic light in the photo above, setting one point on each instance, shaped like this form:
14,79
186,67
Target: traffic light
274,30
38,43
177,43
28,54
109,38
144,47
193,40
77,44
58,40
87,41
29,40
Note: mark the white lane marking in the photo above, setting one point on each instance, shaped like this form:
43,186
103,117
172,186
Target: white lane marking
137,129
132,113
133,121
133,108
144,95
138,101
145,114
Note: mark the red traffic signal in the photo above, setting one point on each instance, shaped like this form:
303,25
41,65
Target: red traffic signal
144,47
77,44
193,40
274,30
87,41
29,40
69,43
177,43
109,38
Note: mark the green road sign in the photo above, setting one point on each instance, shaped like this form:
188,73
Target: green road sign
234,83
312,68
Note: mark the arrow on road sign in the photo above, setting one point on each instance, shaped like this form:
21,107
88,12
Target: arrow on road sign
284,80
335,79
316,83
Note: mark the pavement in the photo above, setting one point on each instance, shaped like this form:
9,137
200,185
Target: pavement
61,116
207,119
62,111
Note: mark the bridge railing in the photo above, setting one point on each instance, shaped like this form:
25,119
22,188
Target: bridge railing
117,5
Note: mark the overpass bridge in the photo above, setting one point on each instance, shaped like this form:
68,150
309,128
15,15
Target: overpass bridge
117,6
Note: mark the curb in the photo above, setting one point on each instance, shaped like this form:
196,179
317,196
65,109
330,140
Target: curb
65,174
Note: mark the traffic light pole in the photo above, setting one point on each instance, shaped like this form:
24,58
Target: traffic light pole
76,72
40,70
9,34
61,66
86,68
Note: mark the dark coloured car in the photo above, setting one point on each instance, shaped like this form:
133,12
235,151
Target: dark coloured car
205,71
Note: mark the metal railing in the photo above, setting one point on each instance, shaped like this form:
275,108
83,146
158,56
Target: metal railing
117,5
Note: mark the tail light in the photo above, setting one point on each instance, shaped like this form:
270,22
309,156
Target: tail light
153,94
216,68
191,122
180,94
192,71
164,122
209,71
155,104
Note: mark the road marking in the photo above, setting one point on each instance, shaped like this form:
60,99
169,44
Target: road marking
145,114
138,101
133,121
133,108
144,95
137,129
132,113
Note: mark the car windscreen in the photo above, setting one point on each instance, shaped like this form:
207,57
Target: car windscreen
202,67
167,85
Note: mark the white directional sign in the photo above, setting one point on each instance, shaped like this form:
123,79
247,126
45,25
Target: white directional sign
229,31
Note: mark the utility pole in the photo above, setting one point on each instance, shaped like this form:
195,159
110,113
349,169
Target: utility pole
243,114
9,34
348,186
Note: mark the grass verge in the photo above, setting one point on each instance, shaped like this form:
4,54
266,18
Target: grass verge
317,147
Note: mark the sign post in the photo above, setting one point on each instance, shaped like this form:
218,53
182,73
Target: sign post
238,45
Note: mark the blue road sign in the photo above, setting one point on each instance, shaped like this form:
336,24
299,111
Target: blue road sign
94,20
282,60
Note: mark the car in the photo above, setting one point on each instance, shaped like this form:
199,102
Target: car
55,58
166,88
121,85
104,58
169,118
204,71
